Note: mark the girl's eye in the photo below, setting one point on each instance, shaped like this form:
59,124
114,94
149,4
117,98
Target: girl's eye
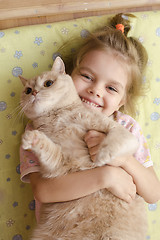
28,90
48,83
86,76
112,89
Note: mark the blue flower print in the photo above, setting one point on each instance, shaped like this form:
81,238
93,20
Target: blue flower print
123,122
12,94
38,40
158,31
32,205
28,227
17,32
152,207
17,71
35,65
2,34
14,133
148,237
7,156
157,79
155,116
156,101
84,33
18,54
148,136
49,26
3,106
17,237
15,204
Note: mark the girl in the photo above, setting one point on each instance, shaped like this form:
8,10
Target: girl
107,73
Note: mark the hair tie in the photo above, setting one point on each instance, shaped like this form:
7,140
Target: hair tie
120,27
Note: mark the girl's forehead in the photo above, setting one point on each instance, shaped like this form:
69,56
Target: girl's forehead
102,59
99,55
105,65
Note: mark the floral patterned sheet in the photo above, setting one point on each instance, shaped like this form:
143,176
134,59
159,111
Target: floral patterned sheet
30,50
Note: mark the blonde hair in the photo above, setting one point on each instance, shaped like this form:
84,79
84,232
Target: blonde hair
128,50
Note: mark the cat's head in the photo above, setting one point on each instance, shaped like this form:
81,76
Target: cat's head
51,90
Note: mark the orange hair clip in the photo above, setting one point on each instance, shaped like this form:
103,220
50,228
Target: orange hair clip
120,27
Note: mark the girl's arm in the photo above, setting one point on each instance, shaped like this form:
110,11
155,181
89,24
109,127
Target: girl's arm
79,184
147,183
145,179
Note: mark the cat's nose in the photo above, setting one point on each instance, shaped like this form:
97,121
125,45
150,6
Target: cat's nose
34,92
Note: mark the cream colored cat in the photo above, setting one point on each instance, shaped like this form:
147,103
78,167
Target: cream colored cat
61,122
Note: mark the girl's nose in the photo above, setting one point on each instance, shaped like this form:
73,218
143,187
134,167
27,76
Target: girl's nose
95,92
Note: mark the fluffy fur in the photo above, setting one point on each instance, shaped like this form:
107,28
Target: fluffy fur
61,121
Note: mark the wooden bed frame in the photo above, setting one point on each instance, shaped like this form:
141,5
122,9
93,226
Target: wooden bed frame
15,13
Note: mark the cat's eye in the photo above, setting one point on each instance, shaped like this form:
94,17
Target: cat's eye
28,90
48,83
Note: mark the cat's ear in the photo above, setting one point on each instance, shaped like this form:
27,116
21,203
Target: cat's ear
23,80
58,66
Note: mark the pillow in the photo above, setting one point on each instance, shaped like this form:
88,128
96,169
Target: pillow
31,50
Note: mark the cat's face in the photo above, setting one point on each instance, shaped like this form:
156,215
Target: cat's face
47,92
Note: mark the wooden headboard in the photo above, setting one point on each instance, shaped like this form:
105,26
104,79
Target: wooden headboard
14,13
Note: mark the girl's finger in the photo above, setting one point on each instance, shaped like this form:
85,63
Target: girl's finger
91,134
93,142
94,150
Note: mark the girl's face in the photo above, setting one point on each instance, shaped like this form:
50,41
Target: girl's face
101,82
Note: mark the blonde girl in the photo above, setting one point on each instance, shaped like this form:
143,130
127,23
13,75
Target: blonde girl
107,71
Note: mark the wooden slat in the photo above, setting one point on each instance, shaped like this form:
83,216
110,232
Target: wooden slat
26,12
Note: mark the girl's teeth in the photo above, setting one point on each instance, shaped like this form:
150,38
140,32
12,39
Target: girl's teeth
89,103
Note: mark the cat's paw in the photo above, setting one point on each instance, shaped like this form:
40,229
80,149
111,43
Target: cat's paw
30,139
105,156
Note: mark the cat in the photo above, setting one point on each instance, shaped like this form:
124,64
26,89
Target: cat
60,123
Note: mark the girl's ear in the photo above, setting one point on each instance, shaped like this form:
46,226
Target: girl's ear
58,66
23,80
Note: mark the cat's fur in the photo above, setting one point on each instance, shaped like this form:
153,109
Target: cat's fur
61,122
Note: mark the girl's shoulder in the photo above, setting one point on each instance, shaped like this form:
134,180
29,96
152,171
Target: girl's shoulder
142,154
127,121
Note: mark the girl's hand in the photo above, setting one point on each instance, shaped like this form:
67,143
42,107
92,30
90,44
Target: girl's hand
119,183
93,139
116,180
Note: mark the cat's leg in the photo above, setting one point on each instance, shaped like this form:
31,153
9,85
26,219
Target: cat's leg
117,143
48,153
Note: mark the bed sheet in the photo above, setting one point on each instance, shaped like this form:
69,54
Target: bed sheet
31,50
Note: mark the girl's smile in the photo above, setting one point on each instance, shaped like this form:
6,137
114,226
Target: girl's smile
90,102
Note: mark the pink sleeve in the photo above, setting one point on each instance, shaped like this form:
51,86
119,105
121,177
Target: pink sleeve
29,163
143,153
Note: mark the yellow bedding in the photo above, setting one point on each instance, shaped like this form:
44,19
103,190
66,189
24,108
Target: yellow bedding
30,50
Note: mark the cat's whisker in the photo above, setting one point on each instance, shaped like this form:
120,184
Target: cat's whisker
17,115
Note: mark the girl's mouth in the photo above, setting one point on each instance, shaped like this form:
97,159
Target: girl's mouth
89,102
